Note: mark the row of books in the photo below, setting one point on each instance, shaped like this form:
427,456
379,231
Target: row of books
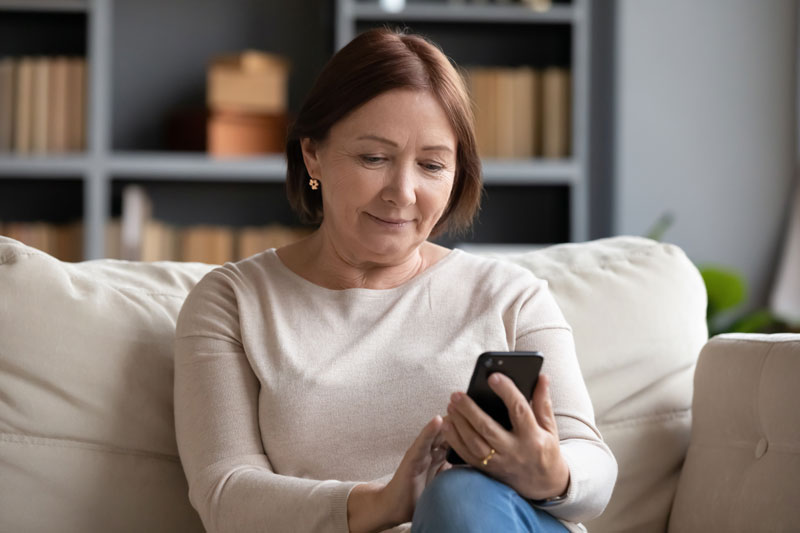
159,242
521,112
63,241
42,104
204,243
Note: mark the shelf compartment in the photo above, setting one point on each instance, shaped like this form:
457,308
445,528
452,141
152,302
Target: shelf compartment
57,200
222,203
520,215
498,14
42,32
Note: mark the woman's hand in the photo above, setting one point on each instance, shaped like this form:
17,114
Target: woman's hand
528,458
372,507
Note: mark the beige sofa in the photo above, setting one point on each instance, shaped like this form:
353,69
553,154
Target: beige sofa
86,429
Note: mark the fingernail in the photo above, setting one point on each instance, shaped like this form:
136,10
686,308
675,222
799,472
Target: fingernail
494,378
455,396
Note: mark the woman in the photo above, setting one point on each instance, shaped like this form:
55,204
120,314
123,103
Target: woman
310,380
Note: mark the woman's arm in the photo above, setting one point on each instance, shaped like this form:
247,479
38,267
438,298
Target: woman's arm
231,482
553,449
592,466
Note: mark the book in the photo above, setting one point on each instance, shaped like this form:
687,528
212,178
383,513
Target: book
57,130
159,242
480,80
113,238
556,131
136,213
525,94
7,98
23,138
207,244
68,241
249,81
504,112
76,104
64,241
40,89
81,91
255,239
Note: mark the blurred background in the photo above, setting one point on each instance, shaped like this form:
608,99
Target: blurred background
153,129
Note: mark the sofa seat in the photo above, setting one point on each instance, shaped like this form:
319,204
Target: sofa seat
87,437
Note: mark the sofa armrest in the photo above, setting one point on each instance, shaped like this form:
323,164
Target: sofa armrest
743,464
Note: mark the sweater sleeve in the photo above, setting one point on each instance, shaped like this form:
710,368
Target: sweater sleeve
231,482
593,469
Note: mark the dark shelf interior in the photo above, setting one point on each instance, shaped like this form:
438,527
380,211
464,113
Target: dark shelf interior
42,34
514,214
492,44
162,70
49,200
225,203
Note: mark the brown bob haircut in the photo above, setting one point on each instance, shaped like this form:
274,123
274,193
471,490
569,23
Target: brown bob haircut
374,62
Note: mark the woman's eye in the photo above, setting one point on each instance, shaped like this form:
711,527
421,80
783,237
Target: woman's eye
433,167
371,159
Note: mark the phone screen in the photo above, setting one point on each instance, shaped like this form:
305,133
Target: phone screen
523,369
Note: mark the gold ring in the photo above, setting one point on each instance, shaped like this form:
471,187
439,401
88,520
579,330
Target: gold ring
488,457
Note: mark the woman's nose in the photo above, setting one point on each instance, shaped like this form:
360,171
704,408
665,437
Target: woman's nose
400,189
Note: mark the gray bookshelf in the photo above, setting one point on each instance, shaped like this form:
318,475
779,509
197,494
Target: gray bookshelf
114,154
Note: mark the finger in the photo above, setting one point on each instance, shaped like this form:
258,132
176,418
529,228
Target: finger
543,405
426,438
519,410
487,427
439,441
476,445
455,441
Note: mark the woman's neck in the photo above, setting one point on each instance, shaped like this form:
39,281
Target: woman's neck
320,261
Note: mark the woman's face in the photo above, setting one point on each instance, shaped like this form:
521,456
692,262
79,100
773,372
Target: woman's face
386,171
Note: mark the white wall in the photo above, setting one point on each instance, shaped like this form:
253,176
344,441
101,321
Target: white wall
705,127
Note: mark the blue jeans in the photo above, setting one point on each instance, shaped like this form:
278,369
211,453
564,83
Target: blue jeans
466,500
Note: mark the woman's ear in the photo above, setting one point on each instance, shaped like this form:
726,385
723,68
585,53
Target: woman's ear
310,150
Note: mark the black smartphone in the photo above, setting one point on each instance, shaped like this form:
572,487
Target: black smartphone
523,369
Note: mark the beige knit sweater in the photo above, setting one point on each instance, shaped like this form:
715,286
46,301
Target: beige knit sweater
287,393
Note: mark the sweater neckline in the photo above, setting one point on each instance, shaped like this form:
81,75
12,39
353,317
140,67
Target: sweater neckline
374,293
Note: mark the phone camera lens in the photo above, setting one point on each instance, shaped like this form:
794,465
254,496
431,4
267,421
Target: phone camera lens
488,362
499,362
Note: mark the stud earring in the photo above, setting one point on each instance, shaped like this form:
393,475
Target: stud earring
314,183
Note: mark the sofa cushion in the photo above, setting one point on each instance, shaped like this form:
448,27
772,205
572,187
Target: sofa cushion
742,470
87,440
86,430
637,308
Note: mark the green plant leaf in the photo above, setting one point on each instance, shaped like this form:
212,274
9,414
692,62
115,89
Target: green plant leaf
726,288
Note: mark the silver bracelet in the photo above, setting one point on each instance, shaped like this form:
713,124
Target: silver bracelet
549,502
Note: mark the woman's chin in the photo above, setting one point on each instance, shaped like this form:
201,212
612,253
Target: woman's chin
388,250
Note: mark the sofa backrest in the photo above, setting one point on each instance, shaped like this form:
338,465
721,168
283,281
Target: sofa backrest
87,440
86,430
637,309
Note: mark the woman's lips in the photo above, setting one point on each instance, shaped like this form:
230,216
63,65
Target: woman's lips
390,222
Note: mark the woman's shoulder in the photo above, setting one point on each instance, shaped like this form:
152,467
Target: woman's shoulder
491,266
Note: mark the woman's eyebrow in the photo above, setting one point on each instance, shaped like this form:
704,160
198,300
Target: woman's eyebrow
392,143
